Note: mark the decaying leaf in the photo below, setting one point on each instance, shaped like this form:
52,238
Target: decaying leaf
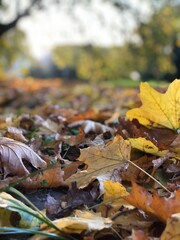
82,221
100,160
158,109
10,214
50,178
15,133
129,219
172,230
91,126
146,146
140,235
72,140
162,208
11,155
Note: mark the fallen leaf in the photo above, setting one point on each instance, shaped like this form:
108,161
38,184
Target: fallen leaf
82,221
8,208
172,230
100,160
175,145
13,152
160,207
161,137
51,177
15,133
129,219
77,197
114,193
158,109
139,235
72,140
91,126
146,146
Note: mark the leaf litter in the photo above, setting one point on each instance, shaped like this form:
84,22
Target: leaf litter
92,162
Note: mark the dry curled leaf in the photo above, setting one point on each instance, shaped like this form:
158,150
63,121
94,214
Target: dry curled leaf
12,154
158,109
16,134
91,126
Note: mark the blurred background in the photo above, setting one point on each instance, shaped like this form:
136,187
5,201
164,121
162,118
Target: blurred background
90,40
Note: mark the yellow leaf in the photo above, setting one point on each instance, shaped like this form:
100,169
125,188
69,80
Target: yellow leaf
172,230
146,146
100,160
82,221
114,193
158,109
113,190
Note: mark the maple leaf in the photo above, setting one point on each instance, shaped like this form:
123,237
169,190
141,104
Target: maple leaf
100,160
158,109
163,207
13,152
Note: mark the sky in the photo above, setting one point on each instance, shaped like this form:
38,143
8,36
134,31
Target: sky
98,24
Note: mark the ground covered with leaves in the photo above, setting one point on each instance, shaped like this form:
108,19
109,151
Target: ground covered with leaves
90,162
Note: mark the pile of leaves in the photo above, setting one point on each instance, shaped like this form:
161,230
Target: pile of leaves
111,157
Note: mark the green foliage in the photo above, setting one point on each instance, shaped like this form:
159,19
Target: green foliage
94,63
12,47
153,57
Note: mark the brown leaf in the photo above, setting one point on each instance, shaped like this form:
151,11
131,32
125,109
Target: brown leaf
100,160
91,126
13,152
15,133
139,235
162,138
51,178
72,140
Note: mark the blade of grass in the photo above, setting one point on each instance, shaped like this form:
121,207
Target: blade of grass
14,230
44,218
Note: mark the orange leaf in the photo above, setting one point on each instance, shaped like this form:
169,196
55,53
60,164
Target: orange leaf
162,208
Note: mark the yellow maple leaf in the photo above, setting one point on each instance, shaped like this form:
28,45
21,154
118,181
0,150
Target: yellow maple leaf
100,160
146,146
158,109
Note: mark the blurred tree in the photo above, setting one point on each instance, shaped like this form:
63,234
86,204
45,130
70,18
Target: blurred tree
152,54
20,9
94,63
12,47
